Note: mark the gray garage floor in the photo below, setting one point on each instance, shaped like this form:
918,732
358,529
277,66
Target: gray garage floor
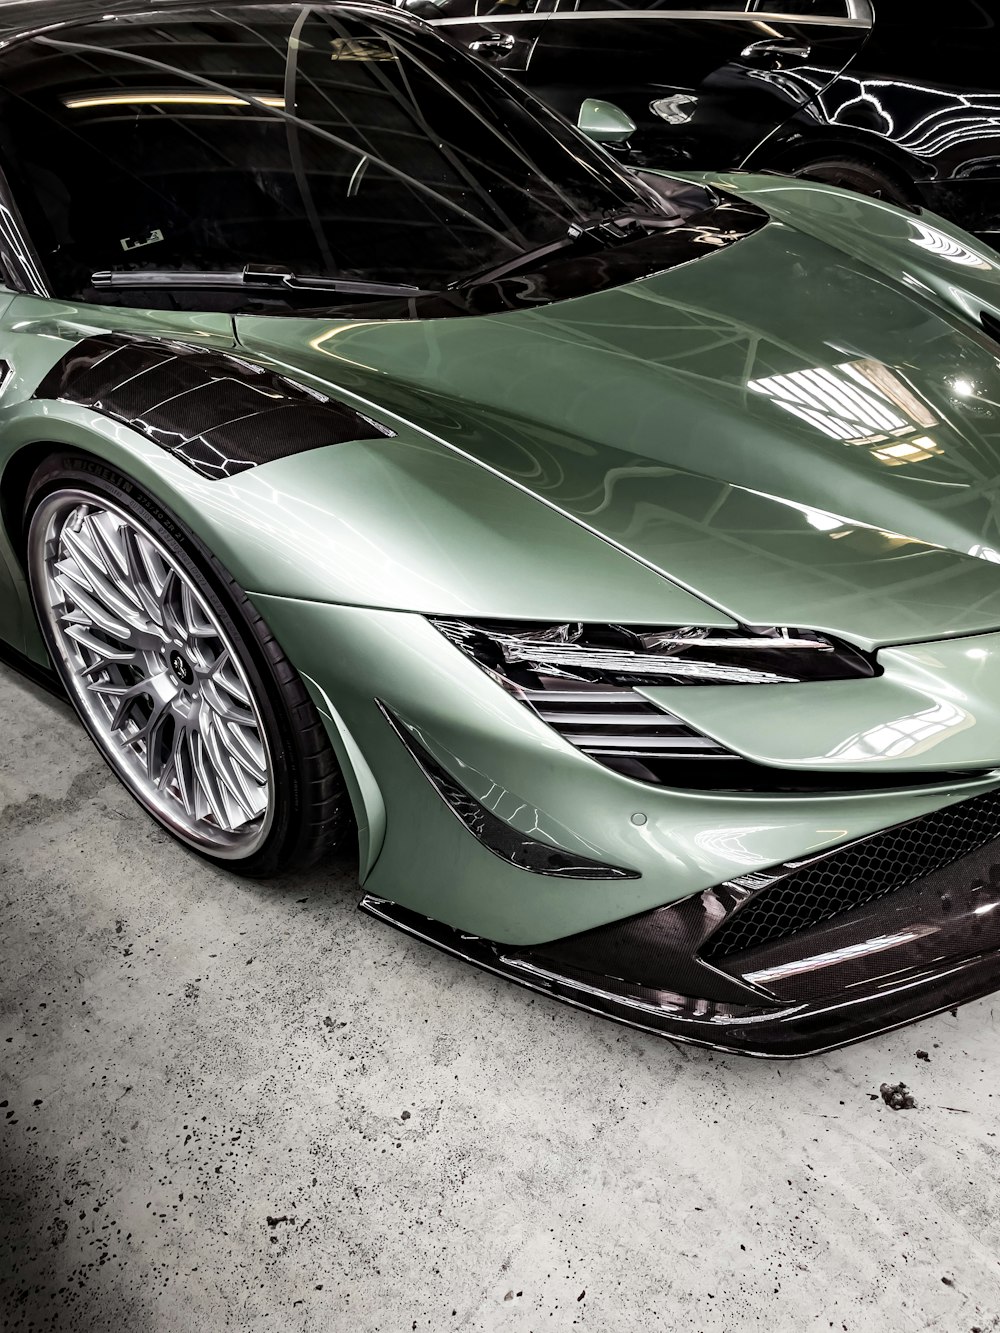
236,1106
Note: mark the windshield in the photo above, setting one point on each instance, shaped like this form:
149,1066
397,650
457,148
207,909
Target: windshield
320,141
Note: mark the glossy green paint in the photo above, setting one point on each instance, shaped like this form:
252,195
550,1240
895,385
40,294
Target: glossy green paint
609,458
639,413
540,784
402,523
936,707
603,121
366,798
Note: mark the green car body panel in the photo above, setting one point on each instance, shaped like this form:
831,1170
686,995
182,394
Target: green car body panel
605,458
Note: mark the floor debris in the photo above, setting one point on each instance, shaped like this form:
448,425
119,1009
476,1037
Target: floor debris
897,1096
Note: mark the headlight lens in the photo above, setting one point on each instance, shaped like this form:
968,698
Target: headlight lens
533,657
585,682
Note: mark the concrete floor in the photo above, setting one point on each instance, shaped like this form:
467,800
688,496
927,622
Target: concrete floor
227,1105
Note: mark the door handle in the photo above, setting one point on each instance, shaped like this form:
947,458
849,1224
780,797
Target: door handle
493,47
776,50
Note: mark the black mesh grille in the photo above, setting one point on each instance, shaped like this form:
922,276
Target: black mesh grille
859,874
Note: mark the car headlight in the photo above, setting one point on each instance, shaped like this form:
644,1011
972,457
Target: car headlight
583,681
539,657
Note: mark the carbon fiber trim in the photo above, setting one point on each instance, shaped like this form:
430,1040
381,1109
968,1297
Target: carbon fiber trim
492,832
929,946
214,411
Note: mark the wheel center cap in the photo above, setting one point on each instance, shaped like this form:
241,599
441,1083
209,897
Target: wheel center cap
181,668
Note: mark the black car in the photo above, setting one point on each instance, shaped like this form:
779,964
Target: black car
895,98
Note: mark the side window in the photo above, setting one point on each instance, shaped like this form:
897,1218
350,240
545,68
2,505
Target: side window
18,268
965,16
642,6
840,9
474,9
832,9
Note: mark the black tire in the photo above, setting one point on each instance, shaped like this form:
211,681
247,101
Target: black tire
855,174
311,810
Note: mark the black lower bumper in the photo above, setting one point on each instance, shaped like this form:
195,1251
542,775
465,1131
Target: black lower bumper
915,950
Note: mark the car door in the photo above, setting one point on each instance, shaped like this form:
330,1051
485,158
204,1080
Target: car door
924,111
503,32
704,82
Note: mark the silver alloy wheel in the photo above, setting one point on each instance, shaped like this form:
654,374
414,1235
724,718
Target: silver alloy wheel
153,674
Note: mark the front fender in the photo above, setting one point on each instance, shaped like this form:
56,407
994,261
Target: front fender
947,265
396,523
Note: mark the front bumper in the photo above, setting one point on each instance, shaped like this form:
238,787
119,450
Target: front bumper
644,949
915,950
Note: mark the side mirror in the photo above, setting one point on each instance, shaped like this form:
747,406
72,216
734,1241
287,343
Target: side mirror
604,122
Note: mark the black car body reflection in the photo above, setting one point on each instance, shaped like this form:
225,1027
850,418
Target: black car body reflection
897,98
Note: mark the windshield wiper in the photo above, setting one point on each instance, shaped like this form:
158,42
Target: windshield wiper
601,230
269,277
494,271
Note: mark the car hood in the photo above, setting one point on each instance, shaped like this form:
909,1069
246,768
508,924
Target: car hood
803,428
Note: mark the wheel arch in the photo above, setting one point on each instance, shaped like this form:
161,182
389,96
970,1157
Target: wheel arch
115,454
794,151
38,428
15,480
363,790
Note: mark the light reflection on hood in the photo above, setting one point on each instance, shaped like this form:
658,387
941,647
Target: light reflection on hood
859,402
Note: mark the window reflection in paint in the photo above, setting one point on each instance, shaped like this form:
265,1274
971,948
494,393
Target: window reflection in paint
859,403
943,246
730,843
910,734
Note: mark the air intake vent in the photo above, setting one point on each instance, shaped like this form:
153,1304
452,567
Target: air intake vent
496,835
215,412
608,722
859,874
623,731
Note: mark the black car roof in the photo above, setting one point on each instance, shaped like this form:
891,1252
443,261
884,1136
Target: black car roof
21,18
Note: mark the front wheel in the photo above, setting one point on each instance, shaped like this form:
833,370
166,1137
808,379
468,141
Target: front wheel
175,676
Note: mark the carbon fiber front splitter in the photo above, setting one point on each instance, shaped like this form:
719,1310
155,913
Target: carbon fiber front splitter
925,947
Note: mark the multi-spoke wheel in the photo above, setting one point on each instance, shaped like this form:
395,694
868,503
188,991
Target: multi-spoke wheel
175,682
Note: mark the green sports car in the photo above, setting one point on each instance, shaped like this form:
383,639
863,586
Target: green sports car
618,554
